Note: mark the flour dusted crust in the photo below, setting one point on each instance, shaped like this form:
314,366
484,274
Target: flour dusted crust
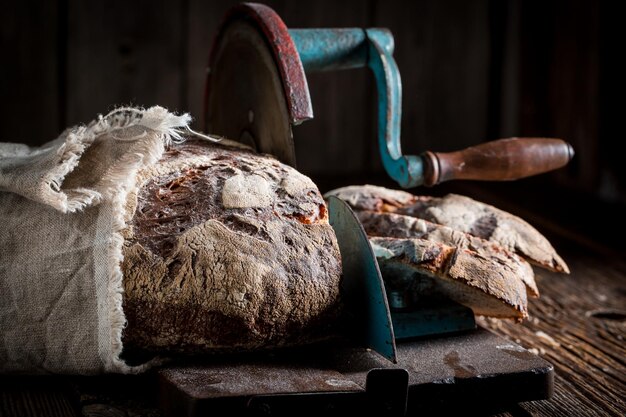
462,214
433,269
227,250
453,247
400,226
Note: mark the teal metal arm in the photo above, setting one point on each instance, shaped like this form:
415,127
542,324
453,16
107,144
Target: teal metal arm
335,49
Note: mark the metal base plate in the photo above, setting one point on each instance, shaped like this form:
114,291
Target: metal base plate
438,317
469,371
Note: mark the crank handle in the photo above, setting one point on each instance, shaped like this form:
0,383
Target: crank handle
499,160
504,159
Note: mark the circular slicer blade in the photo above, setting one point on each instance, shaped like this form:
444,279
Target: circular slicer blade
246,100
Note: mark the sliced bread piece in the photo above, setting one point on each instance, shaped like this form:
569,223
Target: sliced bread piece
430,268
373,198
400,226
462,214
490,223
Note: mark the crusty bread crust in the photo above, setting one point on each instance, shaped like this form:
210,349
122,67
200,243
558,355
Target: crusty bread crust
428,268
400,226
227,250
463,214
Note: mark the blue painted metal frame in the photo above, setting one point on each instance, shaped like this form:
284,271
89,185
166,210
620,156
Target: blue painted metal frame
362,284
335,49
437,317
338,49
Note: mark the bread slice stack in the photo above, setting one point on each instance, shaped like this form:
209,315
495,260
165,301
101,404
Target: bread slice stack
453,247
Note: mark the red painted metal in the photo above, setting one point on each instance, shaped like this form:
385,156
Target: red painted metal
285,54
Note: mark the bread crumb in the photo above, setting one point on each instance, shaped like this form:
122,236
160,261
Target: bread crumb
547,338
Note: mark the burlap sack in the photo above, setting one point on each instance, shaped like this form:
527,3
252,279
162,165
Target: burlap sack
61,213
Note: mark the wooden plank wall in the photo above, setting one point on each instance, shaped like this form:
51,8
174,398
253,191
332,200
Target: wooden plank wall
472,71
30,72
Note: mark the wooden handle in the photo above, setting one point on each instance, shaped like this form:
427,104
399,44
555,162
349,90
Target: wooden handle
500,160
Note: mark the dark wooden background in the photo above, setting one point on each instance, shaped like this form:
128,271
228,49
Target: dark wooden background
472,71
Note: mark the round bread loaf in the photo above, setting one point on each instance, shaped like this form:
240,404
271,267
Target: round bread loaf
226,249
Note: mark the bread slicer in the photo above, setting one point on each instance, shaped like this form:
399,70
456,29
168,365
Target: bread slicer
256,91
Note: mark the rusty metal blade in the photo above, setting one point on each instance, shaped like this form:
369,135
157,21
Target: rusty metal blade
256,87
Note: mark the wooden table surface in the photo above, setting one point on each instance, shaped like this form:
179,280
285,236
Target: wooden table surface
578,324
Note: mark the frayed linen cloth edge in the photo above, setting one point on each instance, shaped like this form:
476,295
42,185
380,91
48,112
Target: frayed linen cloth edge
111,317
168,130
75,141
161,129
